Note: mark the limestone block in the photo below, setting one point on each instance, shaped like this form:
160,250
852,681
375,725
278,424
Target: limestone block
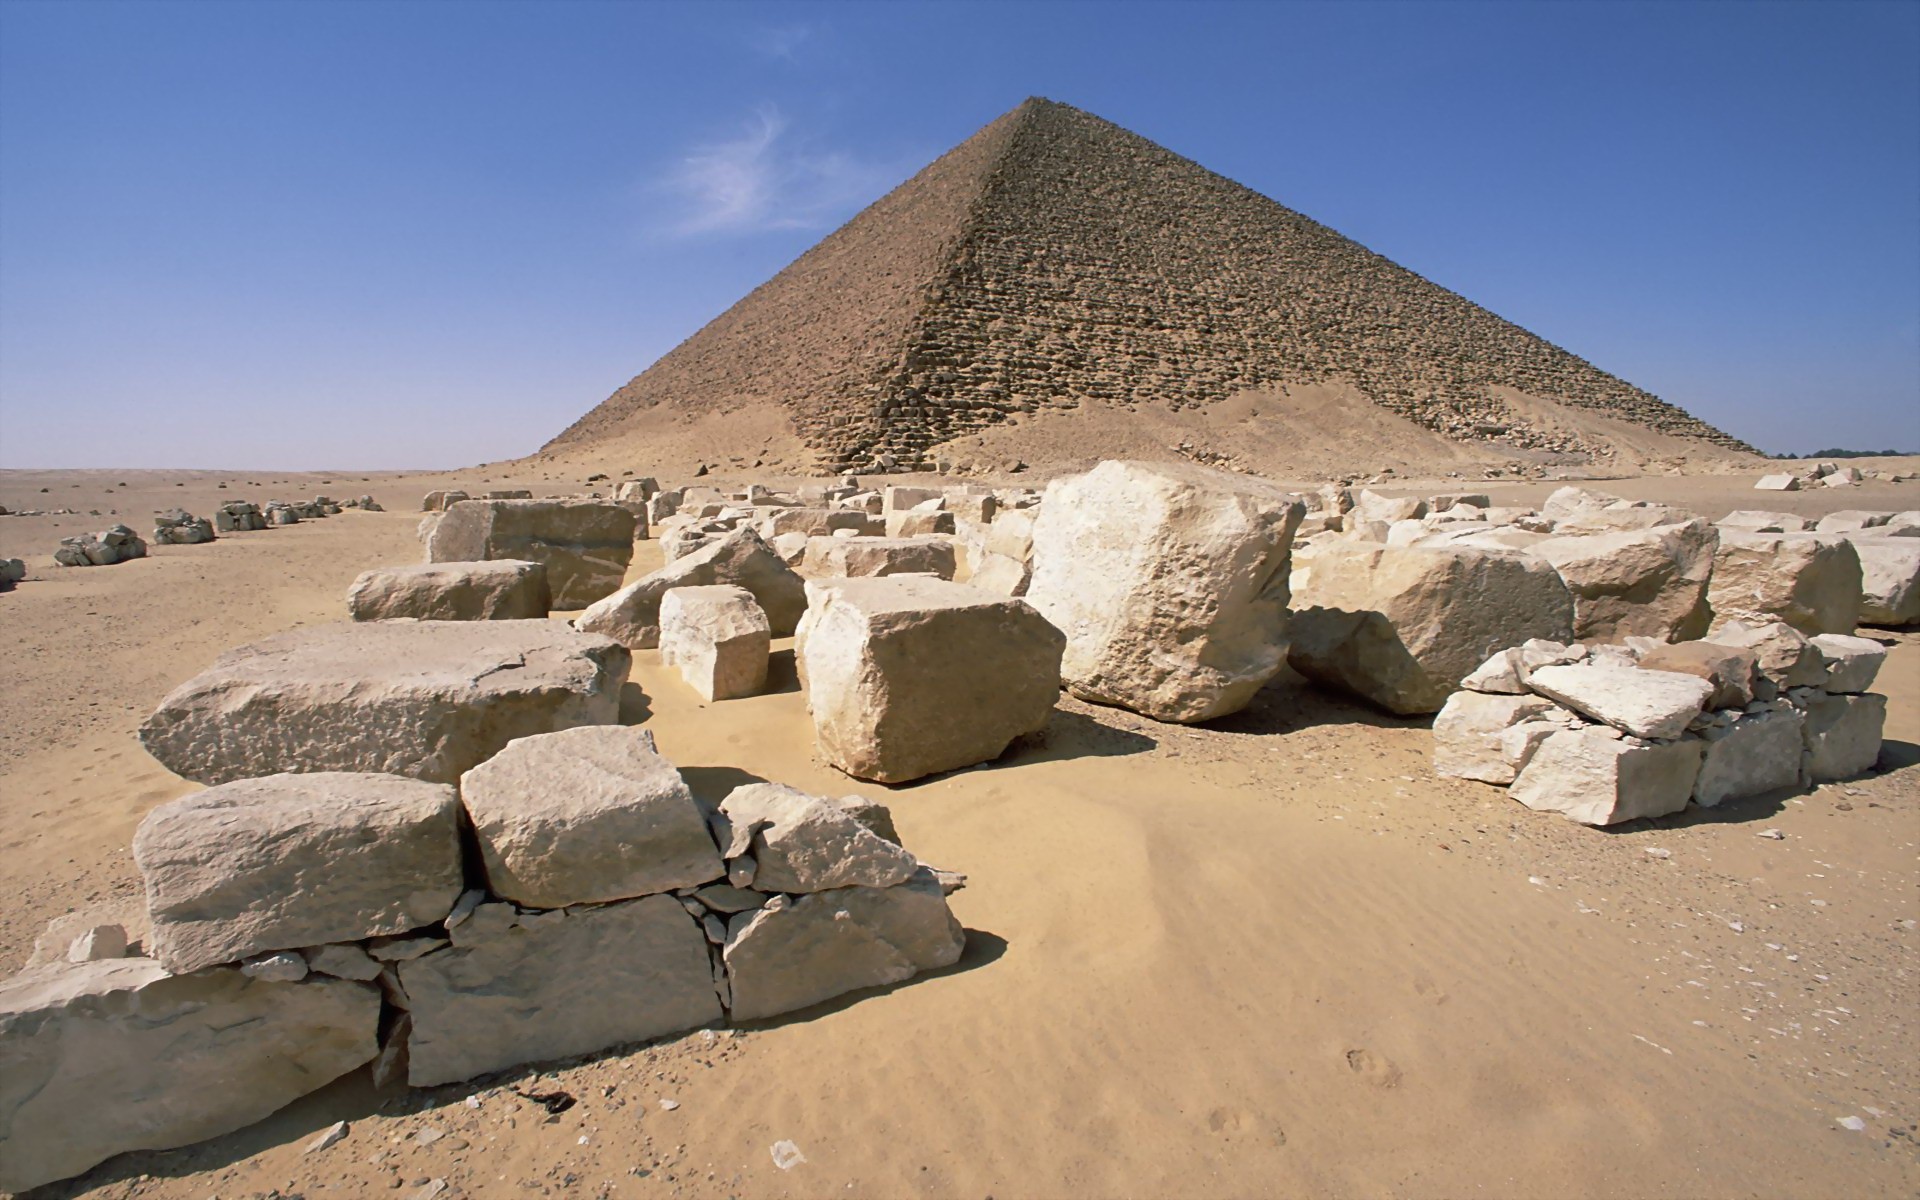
1757,753
1762,521
440,501
631,615
1011,534
1811,581
1598,780
791,954
1782,655
1648,583
1569,500
1372,506
1648,704
554,985
503,590
1001,575
867,557
1852,662
584,816
425,699
915,523
100,1058
1889,580
1468,734
899,498
907,676
718,638
1852,520
296,860
1778,483
584,544
803,843
1170,583
812,522
1729,669
1843,735
1402,626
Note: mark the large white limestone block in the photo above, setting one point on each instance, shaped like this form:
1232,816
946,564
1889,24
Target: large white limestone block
1402,626
907,676
1170,582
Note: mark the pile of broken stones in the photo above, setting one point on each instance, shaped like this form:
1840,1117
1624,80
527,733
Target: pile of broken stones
115,545
305,924
1613,733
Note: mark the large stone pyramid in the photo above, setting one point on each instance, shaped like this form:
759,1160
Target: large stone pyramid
1054,260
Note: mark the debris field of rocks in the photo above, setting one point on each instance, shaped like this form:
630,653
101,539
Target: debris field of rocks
1605,659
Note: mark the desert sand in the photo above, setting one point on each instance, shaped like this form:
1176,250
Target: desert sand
1271,955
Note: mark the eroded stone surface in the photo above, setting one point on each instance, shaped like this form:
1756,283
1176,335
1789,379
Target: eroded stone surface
503,590
290,861
584,544
631,616
424,699
1598,780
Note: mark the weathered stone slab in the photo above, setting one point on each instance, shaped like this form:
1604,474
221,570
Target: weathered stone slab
872,557
424,699
586,816
296,860
1811,581
631,616
1778,483
1843,735
1001,575
584,544
1402,626
1729,669
502,590
1598,780
718,639
1762,521
804,843
1782,655
1648,704
1649,583
791,954
907,676
1170,583
558,984
1757,753
100,1058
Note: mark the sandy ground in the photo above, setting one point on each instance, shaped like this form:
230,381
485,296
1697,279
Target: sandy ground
1270,956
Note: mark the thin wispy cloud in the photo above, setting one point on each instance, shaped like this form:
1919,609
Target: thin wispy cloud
768,178
779,41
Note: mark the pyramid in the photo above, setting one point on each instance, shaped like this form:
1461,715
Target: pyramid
1055,260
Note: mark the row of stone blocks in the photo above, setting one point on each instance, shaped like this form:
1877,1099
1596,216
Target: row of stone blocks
1615,733
306,924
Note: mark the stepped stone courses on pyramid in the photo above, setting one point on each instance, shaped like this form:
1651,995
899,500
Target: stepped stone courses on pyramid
1054,259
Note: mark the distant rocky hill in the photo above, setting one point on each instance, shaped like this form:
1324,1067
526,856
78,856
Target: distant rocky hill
1054,260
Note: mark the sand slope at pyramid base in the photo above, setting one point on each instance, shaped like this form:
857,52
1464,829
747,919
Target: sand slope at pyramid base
751,435
1314,431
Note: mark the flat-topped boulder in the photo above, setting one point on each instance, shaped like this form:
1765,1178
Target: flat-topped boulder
585,816
718,638
100,1058
906,676
1889,580
584,544
502,590
1728,669
1843,735
1401,626
1649,582
425,699
1170,582
1811,581
537,987
1490,737
288,861
1754,753
631,616
872,557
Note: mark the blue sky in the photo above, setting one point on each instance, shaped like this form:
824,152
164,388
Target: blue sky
429,234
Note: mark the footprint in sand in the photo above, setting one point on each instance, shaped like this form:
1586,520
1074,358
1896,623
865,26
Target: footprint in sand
1376,1069
1236,1124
